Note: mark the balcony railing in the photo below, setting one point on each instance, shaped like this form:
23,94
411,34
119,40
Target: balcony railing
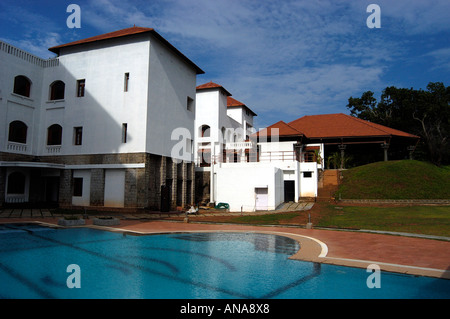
54,149
16,147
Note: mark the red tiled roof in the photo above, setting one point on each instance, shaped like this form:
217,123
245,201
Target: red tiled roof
122,33
212,85
231,102
342,125
283,130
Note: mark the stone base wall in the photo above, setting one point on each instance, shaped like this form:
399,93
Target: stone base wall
142,185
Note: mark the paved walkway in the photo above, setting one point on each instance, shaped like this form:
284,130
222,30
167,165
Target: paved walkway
419,256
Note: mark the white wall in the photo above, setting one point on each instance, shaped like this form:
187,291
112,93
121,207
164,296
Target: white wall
171,82
105,105
308,186
236,183
15,107
114,188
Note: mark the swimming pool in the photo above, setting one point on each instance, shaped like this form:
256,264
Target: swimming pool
34,263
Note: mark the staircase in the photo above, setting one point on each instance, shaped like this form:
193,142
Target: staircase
328,184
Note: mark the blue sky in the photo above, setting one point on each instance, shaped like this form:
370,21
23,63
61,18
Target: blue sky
284,59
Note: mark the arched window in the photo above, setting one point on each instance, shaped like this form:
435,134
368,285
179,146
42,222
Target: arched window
54,135
22,85
16,183
57,90
17,132
205,131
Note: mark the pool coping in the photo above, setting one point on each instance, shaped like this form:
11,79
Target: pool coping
311,249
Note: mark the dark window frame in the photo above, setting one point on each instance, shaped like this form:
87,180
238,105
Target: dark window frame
57,90
17,132
22,86
54,135
81,86
77,186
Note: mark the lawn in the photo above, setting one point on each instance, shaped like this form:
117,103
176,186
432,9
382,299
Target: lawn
405,179
429,220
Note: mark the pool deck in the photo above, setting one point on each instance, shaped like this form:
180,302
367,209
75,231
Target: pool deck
403,254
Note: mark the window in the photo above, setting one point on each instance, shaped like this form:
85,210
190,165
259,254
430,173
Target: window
189,146
22,85
190,104
205,131
80,87
17,132
77,135
54,135
124,132
57,90
307,174
16,183
78,187
126,81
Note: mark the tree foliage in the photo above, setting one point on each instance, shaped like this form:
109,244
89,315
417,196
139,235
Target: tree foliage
425,113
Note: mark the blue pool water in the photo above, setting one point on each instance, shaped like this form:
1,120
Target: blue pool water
34,261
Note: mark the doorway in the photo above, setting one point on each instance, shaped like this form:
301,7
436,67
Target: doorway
262,198
289,191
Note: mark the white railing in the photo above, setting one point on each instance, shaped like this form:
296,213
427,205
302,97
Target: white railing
21,54
54,149
16,147
15,199
239,145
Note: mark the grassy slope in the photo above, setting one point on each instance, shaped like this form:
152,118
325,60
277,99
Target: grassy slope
396,180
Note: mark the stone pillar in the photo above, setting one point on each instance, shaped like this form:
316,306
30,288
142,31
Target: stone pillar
174,168
184,174
2,185
130,196
191,183
385,147
411,150
97,196
65,188
342,149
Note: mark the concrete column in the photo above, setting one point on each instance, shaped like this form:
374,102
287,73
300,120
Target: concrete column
385,147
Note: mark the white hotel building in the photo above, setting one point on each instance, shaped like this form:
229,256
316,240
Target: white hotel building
93,126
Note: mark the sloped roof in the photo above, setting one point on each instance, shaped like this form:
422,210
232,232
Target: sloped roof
122,33
284,130
342,125
231,102
212,85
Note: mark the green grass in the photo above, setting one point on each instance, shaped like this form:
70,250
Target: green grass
430,220
405,179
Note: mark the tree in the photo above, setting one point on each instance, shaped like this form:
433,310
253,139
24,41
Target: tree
420,112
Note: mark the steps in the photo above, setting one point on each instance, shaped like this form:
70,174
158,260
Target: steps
328,184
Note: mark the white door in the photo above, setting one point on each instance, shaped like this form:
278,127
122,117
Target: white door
114,188
262,198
